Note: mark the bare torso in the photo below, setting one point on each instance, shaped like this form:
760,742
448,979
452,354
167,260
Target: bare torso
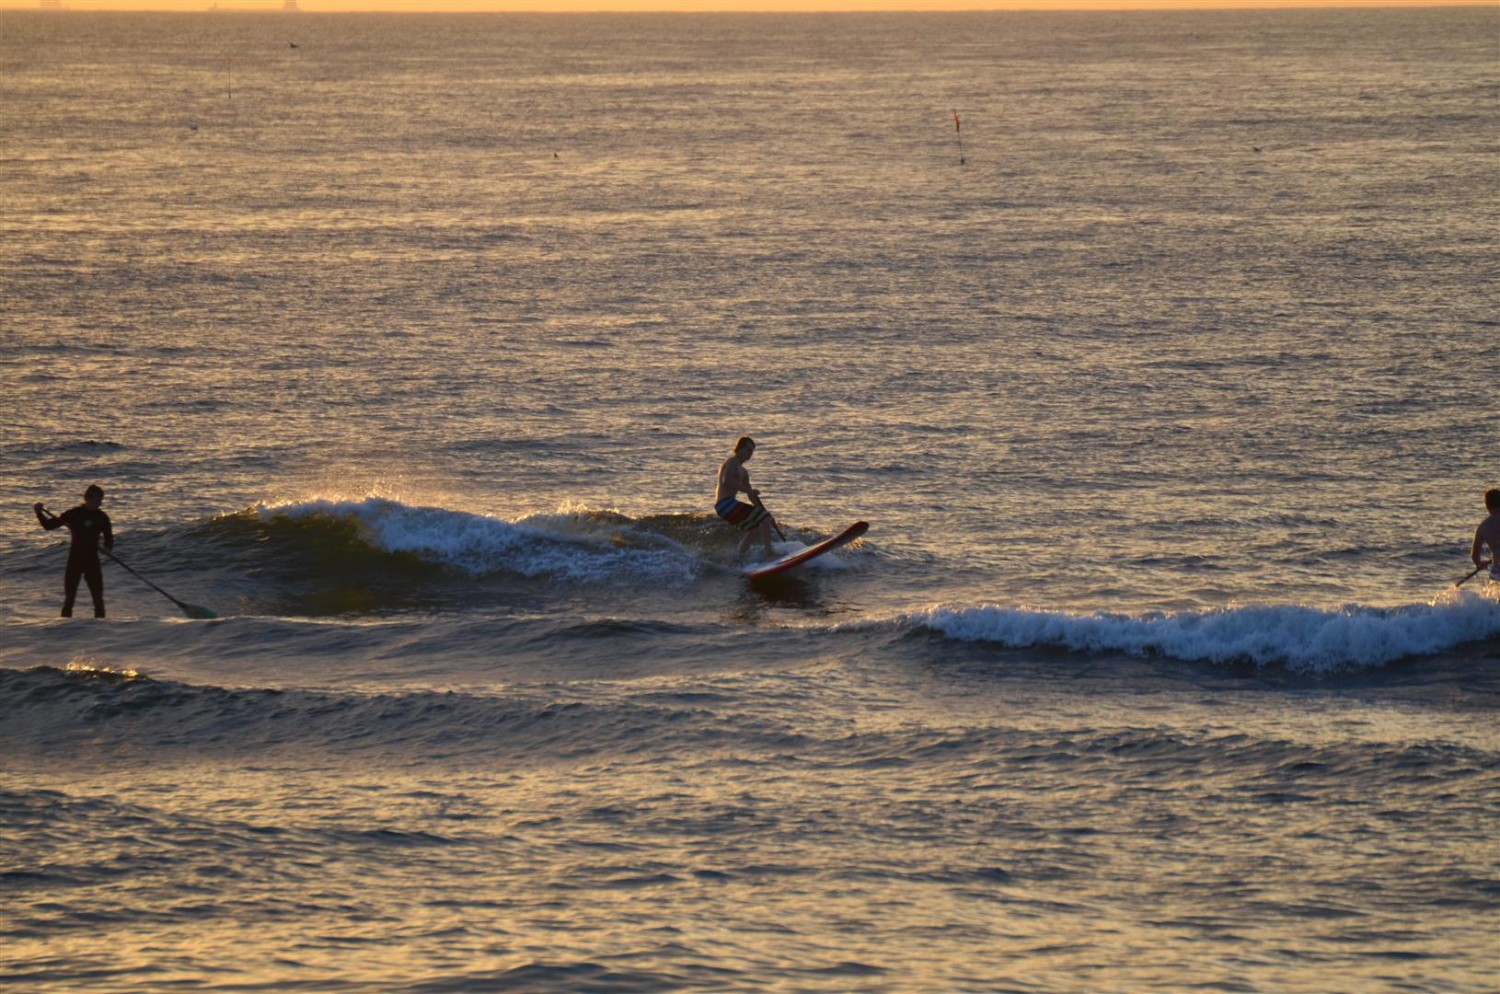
734,478
1487,534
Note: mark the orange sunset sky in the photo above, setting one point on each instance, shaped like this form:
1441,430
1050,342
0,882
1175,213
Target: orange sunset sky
416,6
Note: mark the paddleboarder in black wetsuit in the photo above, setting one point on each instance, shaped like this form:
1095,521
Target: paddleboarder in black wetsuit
89,525
1488,534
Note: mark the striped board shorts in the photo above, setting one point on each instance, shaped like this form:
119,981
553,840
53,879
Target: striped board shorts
743,516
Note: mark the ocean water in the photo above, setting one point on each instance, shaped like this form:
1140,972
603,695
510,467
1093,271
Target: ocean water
412,351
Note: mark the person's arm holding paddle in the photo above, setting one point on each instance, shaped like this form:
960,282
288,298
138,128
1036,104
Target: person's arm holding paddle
757,502
750,491
47,519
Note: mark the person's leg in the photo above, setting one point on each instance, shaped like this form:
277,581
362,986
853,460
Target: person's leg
93,574
740,515
763,532
70,586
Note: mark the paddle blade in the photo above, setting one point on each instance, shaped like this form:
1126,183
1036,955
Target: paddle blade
197,611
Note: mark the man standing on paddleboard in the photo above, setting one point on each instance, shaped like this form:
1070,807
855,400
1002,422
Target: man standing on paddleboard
89,525
753,519
1488,534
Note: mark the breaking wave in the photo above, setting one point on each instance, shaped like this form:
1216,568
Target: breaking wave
572,546
1304,639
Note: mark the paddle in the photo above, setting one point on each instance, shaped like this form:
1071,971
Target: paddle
779,533
191,610
1471,576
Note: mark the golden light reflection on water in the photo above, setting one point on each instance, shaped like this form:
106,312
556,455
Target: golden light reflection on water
743,865
91,669
895,823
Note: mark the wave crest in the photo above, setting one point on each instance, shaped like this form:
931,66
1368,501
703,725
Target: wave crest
1304,639
574,546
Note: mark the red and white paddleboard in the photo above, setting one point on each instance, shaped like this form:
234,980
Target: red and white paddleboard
759,571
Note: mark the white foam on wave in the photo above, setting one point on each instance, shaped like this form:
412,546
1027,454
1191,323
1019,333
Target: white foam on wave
572,546
1306,639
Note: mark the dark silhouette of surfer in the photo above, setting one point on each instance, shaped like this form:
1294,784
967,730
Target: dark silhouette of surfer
1488,534
89,525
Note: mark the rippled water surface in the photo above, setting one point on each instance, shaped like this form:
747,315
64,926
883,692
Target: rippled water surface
412,350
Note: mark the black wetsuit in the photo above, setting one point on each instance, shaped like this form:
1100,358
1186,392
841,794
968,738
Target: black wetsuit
88,526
